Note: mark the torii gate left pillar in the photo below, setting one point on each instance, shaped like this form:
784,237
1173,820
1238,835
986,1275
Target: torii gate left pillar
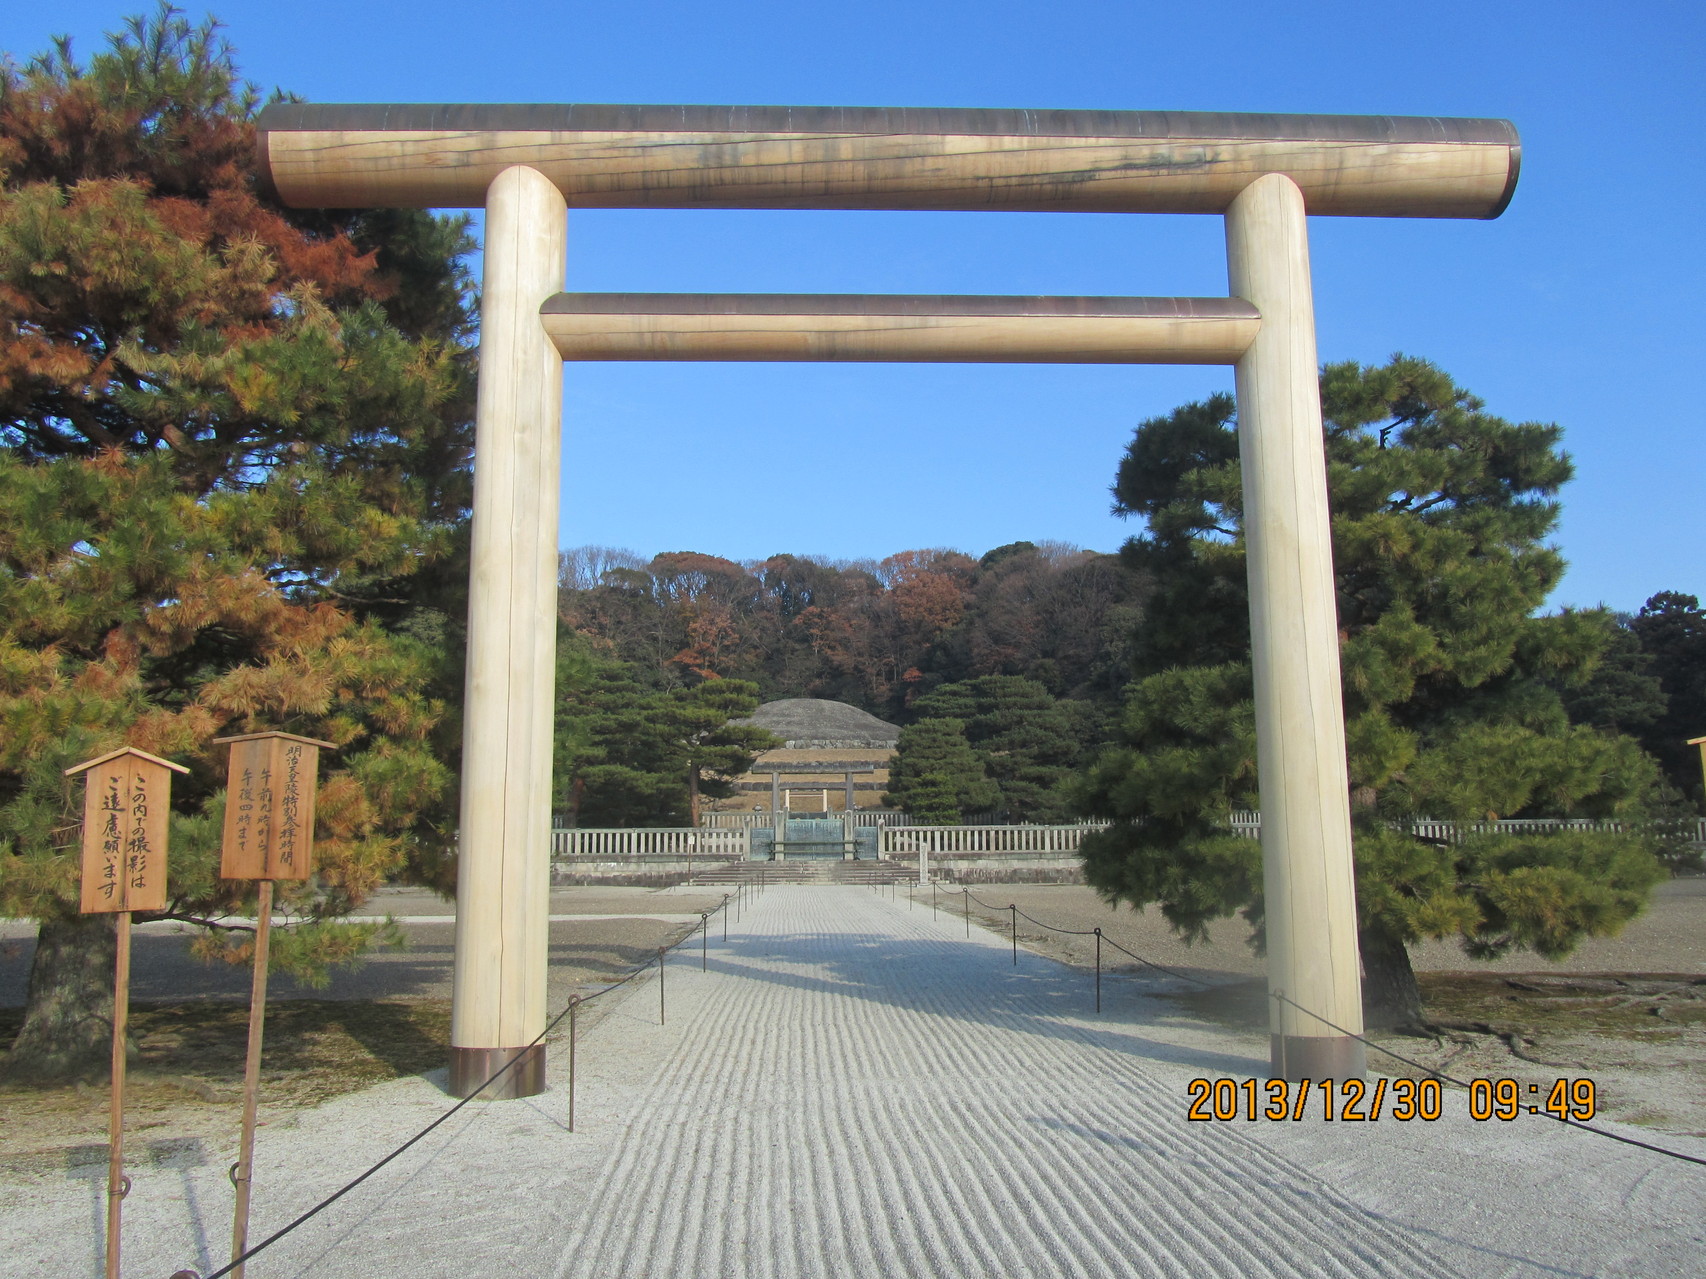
504,881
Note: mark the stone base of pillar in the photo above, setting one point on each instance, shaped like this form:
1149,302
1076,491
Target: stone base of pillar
1297,1057
471,1067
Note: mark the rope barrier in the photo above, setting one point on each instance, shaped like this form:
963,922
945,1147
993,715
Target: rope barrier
723,907
575,1002
1363,1039
1450,1079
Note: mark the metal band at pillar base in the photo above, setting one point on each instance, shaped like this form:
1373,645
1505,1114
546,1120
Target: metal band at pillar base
1297,1057
471,1067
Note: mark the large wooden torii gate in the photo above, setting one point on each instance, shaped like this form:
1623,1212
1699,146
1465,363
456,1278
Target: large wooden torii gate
526,165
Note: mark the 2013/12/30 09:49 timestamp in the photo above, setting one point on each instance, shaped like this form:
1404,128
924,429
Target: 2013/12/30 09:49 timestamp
1352,1100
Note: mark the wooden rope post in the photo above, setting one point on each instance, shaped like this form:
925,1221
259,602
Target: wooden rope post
118,1185
1098,970
242,1172
574,1009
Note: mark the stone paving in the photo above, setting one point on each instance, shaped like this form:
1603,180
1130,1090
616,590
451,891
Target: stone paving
855,1089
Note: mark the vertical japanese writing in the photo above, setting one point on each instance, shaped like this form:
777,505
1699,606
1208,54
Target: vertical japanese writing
245,801
126,814
263,814
112,815
136,845
290,809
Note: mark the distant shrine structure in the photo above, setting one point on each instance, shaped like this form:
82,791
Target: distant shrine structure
834,758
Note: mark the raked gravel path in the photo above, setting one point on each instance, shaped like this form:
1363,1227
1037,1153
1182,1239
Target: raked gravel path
857,1090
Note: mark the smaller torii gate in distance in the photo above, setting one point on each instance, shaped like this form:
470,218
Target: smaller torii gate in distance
527,165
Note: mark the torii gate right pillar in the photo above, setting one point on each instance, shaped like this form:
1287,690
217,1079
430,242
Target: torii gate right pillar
1308,882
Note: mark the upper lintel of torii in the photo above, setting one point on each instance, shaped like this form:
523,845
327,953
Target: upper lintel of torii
617,156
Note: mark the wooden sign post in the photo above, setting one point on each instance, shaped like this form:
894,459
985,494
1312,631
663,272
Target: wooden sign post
268,835
1701,743
126,803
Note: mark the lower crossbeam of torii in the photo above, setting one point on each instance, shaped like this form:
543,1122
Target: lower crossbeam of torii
527,165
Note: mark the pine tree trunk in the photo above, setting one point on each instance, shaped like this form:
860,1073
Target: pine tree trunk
68,1012
1390,996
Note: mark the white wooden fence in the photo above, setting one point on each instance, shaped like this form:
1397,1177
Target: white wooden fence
733,821
1250,824
684,842
951,841
681,842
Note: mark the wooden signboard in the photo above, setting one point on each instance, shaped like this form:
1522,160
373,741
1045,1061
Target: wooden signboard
127,799
269,806
126,804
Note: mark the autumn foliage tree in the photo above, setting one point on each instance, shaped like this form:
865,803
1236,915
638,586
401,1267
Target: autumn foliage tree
233,447
876,633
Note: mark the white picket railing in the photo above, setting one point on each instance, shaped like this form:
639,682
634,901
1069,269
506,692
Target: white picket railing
1250,824
950,841
681,842
733,821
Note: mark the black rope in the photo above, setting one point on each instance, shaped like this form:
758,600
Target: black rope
1171,972
1363,1039
1450,1079
499,1073
1070,932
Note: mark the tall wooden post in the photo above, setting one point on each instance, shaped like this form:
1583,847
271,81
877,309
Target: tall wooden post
243,1171
503,882
270,792
127,799
1308,884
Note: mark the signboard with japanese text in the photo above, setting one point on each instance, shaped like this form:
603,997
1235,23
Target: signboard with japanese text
269,806
126,807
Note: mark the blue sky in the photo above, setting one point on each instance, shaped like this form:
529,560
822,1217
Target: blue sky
1582,305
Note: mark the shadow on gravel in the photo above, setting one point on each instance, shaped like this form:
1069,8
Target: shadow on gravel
1038,997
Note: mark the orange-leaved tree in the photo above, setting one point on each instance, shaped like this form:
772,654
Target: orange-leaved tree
233,488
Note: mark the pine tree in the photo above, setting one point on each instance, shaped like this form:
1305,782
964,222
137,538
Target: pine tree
936,776
1028,742
629,755
1451,684
233,489
1671,630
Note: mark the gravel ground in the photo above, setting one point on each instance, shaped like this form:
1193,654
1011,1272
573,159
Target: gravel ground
1650,1070
599,934
595,932
855,1089
1669,937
